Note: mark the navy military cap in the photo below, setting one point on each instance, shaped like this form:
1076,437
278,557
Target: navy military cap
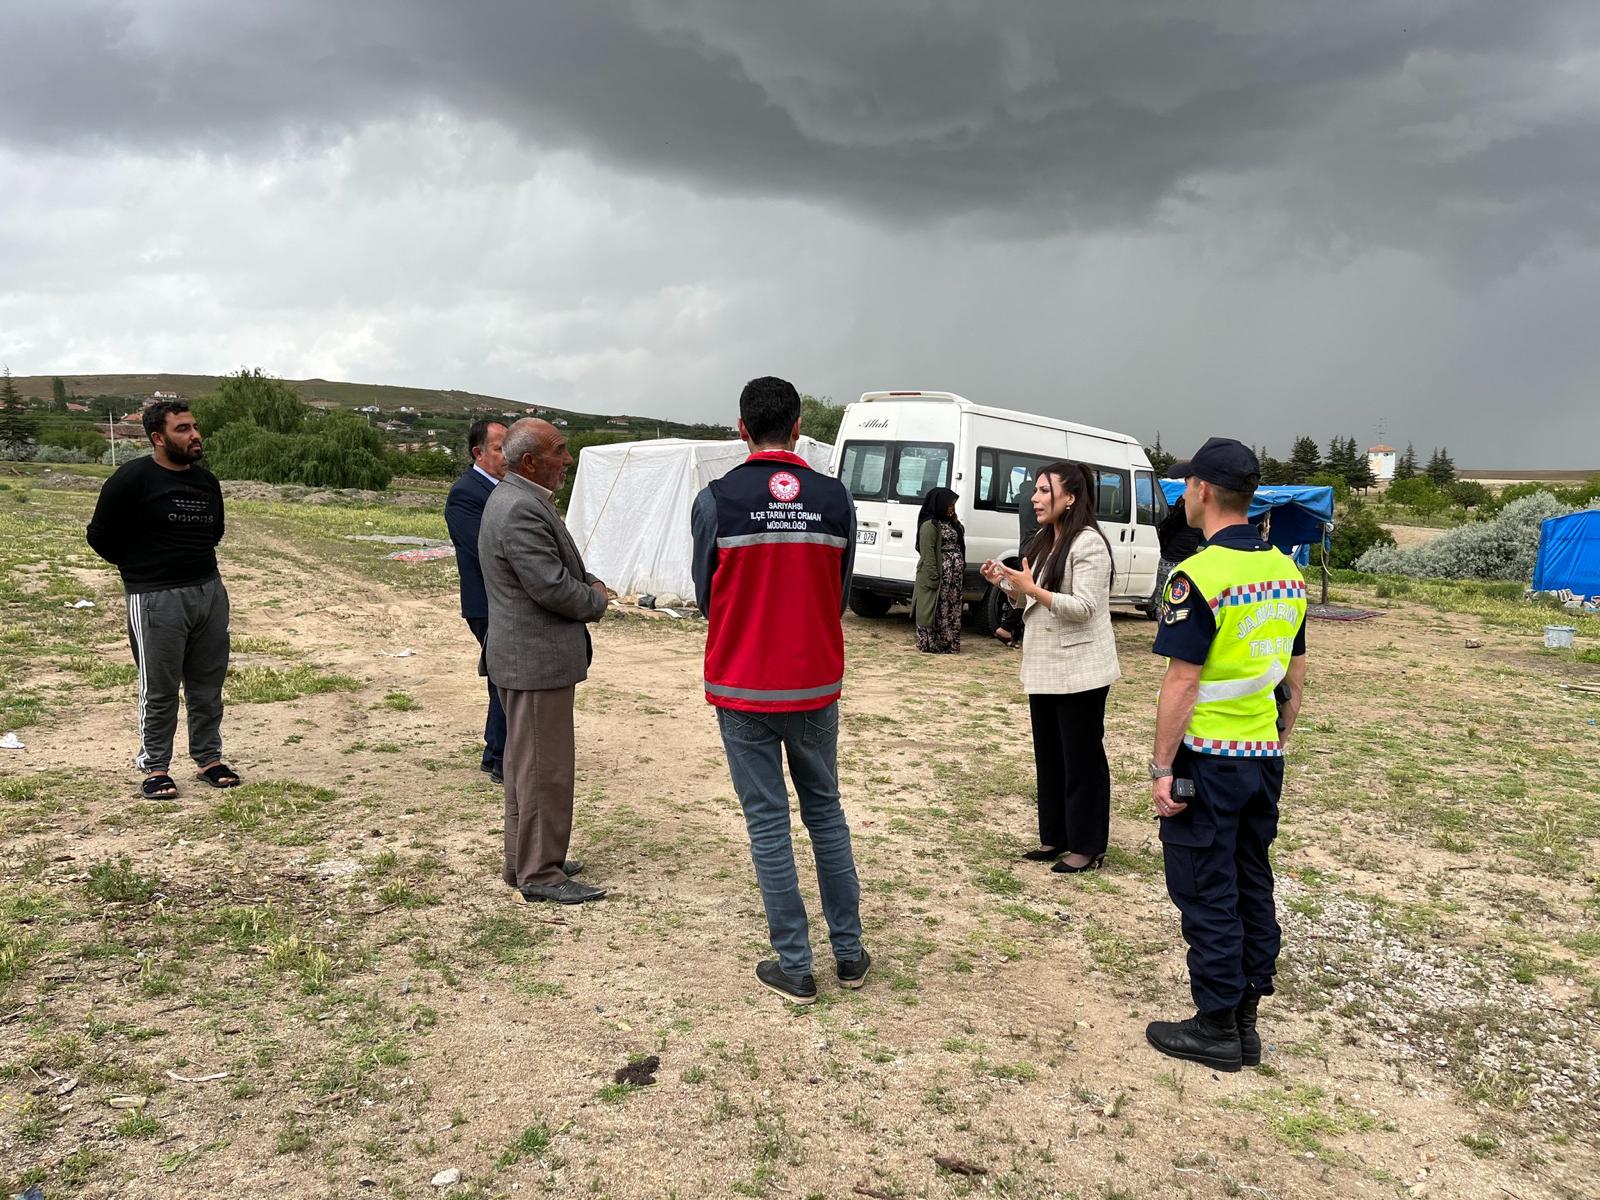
1223,461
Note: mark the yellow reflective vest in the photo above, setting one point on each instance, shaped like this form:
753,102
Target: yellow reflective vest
1258,598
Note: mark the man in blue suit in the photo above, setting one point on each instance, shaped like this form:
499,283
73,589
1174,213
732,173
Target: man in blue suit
463,513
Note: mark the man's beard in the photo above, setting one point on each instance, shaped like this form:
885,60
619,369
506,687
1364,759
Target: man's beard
182,456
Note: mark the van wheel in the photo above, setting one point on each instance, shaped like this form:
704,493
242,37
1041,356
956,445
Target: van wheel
869,604
993,610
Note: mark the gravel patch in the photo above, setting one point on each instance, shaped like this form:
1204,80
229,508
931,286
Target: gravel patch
1506,1044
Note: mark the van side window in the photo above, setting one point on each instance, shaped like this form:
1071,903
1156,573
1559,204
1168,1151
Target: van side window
919,469
1113,495
1010,480
981,496
865,469
1149,501
916,467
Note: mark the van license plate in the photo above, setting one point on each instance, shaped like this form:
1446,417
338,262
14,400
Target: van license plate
866,537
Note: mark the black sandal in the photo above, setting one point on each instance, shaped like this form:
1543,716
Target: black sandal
159,787
219,775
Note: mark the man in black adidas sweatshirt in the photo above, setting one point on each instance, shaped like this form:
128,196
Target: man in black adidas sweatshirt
159,520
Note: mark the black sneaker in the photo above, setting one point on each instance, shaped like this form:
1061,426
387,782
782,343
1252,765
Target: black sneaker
853,974
797,991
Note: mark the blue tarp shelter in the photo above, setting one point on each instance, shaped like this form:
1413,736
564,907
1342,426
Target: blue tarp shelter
1298,515
1569,554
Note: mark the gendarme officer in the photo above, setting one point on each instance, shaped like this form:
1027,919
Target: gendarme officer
1233,629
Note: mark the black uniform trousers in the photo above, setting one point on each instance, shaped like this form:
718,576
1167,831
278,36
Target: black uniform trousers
1219,875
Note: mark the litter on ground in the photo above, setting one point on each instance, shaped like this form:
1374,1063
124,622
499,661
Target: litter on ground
394,539
426,554
1332,612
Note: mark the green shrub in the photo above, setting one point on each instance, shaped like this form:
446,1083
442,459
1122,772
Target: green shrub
1355,531
1418,494
1468,493
257,428
1500,549
423,464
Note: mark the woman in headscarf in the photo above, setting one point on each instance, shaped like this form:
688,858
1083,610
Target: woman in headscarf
941,564
1069,662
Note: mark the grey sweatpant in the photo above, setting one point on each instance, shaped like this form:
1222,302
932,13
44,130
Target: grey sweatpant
180,636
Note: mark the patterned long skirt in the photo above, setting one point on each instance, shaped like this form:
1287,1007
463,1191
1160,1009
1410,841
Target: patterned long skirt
944,635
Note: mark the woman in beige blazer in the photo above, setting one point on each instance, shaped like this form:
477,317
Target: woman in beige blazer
1069,662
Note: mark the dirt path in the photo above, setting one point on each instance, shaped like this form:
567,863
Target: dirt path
1408,537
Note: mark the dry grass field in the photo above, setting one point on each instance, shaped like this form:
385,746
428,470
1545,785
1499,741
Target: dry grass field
316,985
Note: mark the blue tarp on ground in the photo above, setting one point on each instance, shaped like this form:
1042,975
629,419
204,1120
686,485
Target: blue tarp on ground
1569,554
1298,514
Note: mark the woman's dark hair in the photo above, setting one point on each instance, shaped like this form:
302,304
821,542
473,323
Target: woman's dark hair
935,505
1047,553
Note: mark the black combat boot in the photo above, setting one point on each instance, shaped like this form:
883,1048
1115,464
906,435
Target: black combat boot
1208,1038
1245,1018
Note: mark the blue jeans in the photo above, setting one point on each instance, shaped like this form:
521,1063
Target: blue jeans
756,743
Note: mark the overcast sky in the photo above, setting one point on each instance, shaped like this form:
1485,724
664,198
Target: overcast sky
1251,217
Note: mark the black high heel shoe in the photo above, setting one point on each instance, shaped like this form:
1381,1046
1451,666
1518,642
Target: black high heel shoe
1065,868
1043,854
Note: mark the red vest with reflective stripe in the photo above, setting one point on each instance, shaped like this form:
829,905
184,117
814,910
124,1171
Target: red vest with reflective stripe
773,639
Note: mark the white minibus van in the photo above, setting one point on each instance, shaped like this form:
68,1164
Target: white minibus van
893,447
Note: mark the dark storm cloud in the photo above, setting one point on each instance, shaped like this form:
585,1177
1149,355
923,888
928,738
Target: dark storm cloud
1465,128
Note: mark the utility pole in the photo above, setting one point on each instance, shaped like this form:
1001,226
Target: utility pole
111,434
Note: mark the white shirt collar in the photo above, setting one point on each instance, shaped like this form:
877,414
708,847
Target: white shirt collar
484,473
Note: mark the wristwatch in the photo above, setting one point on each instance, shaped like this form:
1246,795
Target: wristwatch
1160,772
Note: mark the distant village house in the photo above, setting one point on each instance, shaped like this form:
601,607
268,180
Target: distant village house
1381,459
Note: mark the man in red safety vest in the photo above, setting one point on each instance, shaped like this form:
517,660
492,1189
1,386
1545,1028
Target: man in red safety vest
774,545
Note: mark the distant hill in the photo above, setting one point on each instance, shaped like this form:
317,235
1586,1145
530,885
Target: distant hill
446,407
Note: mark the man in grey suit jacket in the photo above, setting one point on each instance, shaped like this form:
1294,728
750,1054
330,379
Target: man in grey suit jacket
540,597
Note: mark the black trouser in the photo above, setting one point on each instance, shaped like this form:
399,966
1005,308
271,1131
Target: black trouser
1220,877
494,722
1069,757
1012,623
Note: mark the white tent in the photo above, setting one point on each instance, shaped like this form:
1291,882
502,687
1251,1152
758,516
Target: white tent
630,504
